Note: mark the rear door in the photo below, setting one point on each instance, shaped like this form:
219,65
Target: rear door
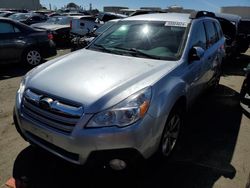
213,55
11,42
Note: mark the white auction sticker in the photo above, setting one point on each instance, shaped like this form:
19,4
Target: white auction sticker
178,24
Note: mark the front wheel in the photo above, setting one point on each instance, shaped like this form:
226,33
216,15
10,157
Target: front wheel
171,132
215,83
32,57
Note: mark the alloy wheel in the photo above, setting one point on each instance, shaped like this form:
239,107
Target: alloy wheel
33,58
171,134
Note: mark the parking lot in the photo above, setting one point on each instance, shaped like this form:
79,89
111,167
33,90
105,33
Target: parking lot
214,151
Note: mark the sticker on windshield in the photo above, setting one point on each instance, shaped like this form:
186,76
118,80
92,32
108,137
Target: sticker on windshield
178,24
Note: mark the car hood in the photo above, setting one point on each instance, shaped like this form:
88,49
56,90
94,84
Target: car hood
50,26
97,80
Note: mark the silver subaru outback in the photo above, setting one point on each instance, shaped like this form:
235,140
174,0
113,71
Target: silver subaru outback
126,94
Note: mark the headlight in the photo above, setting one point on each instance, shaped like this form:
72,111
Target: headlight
21,89
125,113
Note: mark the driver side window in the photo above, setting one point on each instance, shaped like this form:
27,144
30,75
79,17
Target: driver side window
200,36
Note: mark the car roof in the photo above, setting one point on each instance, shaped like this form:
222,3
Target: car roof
81,16
230,17
114,20
177,17
6,18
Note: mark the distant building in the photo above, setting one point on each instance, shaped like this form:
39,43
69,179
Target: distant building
244,12
114,9
178,9
20,4
151,8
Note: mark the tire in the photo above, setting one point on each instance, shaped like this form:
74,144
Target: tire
172,131
32,57
215,83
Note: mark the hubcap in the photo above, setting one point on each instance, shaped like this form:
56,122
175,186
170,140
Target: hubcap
171,134
34,57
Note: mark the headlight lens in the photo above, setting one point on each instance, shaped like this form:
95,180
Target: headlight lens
125,113
21,89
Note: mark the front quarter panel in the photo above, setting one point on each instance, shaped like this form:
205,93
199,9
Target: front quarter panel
166,93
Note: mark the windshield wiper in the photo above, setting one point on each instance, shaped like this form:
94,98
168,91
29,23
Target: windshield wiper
100,46
138,52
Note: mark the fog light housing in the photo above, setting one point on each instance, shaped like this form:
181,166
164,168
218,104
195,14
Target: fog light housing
117,164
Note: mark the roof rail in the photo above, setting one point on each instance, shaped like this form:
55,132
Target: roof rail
203,13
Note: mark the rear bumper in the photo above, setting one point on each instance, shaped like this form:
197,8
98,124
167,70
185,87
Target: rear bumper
48,49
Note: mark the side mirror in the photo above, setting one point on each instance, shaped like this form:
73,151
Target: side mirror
196,53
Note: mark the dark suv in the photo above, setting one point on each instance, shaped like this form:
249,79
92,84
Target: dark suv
233,28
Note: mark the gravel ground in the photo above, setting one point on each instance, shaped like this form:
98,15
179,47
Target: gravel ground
215,151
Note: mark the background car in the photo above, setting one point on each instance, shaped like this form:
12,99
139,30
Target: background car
244,28
21,43
106,16
81,42
82,25
145,11
59,26
6,13
229,32
29,18
239,42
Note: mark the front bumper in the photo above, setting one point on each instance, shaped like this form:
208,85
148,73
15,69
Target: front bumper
82,144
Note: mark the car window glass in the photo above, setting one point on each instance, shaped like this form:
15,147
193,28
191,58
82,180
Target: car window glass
200,36
89,19
64,21
219,31
36,18
6,28
16,30
151,38
104,27
211,33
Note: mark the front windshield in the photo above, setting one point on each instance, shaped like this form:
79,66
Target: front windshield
104,27
53,20
64,21
3,14
155,40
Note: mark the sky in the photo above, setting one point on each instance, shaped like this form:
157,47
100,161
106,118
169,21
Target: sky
210,5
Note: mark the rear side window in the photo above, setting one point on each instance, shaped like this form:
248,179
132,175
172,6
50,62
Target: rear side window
199,36
212,36
6,28
218,29
90,19
36,18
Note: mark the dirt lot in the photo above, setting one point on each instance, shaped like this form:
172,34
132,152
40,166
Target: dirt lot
214,152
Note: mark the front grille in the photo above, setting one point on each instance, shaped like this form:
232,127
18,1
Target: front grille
51,112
